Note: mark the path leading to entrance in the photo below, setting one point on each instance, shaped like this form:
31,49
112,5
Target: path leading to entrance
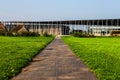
56,62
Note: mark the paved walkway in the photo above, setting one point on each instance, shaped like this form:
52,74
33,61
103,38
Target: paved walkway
56,62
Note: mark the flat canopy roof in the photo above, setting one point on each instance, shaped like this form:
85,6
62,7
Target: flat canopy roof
114,22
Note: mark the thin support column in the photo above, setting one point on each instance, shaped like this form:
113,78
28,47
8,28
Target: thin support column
60,28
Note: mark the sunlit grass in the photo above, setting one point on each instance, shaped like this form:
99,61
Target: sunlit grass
17,52
101,55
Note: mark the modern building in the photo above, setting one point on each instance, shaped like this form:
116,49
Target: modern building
53,29
104,30
100,27
2,28
19,28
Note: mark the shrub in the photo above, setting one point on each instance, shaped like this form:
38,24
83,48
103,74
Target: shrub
28,34
91,35
19,34
7,34
46,34
2,33
77,34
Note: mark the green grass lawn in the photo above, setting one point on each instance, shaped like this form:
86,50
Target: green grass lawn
101,55
17,52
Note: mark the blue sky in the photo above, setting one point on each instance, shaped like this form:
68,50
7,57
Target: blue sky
40,10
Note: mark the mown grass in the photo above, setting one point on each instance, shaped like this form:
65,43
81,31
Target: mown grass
17,52
101,55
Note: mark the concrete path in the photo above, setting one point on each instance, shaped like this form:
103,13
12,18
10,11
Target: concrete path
56,62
